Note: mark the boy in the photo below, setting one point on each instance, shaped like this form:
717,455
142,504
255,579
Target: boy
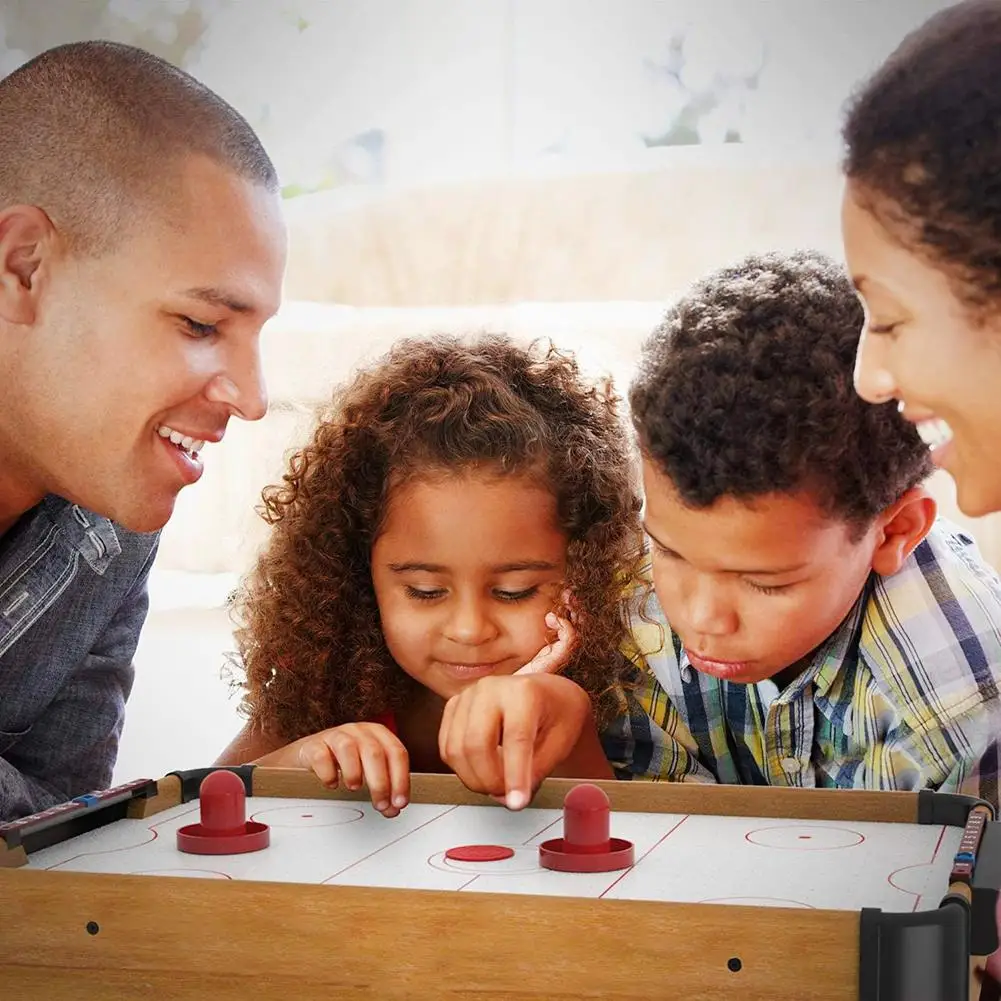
824,628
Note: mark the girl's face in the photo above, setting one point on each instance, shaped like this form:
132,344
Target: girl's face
921,346
465,570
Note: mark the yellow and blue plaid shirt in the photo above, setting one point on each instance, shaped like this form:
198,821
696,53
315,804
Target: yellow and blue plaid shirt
903,695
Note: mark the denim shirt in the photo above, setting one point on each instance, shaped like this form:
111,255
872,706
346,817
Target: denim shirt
73,599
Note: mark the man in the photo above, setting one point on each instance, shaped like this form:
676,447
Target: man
142,248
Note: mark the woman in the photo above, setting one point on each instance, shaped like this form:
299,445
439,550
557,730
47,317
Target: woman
922,231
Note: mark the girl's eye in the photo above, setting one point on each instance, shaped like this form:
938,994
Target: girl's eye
667,554
416,592
529,592
197,329
768,589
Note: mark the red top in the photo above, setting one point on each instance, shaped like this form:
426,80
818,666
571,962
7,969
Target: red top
388,720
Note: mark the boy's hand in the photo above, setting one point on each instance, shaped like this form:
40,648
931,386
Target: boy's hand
354,754
505,734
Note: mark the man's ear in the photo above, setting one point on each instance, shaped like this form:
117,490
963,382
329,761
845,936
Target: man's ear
901,527
26,237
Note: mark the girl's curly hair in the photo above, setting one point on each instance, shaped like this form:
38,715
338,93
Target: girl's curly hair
309,634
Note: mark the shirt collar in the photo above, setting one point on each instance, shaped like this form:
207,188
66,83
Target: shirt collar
841,646
91,535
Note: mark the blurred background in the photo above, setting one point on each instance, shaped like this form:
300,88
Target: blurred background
549,168
381,93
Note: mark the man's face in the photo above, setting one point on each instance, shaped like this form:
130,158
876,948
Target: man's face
156,340
751,588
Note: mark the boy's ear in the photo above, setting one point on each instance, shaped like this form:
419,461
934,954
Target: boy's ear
26,236
901,527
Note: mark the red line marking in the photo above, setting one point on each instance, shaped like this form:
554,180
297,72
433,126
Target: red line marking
802,837
214,872
934,855
918,897
388,844
357,815
527,841
938,844
625,872
152,828
539,834
781,900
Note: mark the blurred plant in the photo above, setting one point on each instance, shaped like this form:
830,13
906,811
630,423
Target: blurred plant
170,29
705,74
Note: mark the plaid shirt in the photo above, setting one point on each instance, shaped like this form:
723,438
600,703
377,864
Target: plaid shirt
903,695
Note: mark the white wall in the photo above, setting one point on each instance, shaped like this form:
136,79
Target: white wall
181,713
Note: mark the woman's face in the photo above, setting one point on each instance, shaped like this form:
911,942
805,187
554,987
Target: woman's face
922,346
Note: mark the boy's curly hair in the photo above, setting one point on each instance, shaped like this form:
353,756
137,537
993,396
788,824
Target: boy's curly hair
309,632
745,389
924,151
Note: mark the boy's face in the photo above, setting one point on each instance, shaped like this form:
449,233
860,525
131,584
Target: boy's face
921,346
751,588
162,331
464,570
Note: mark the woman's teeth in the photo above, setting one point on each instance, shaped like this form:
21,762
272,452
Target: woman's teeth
935,432
190,445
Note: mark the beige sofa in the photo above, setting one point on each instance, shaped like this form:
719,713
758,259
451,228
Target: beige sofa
589,261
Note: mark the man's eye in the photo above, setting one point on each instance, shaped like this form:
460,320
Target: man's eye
200,329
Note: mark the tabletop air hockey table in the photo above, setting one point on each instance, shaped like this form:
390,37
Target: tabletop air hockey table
260,883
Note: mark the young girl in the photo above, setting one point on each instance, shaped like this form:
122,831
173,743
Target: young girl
402,617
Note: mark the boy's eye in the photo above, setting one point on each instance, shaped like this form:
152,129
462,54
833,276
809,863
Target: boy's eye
769,588
882,328
528,592
197,329
421,595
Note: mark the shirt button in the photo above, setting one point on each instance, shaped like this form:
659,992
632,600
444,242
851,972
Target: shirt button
790,764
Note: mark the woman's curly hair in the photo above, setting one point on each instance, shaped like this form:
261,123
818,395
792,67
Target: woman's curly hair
923,148
309,633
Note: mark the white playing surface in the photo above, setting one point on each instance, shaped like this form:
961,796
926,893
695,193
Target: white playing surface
736,860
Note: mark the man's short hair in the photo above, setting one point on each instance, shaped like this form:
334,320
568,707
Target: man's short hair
90,130
745,389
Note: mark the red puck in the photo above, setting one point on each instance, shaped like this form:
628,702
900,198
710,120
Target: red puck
224,829
479,853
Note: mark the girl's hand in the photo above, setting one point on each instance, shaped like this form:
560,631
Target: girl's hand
503,735
551,659
355,754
